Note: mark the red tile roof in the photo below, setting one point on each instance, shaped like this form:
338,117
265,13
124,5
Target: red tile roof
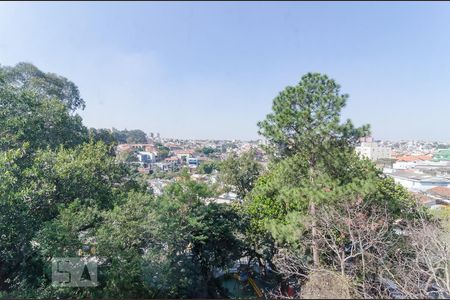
414,157
440,191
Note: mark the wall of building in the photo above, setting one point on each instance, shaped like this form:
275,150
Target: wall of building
372,151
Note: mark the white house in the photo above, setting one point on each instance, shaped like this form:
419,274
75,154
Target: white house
146,157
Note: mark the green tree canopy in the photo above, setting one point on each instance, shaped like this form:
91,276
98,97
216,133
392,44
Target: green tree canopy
208,167
240,173
307,117
41,124
27,77
314,164
135,136
48,168
163,151
34,194
104,135
208,150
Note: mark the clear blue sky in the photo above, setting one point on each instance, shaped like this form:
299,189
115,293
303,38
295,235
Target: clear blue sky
211,70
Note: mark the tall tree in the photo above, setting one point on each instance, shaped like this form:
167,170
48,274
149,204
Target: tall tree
306,122
47,166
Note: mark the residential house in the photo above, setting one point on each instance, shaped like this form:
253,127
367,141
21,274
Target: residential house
171,163
183,155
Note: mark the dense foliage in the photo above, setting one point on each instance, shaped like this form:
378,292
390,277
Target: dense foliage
318,213
327,209
62,189
241,173
135,136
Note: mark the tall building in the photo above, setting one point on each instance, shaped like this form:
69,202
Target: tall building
373,151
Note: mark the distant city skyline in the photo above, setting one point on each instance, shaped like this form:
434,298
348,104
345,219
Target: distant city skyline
211,70
258,138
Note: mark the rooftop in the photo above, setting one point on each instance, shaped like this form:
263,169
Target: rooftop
440,191
408,174
422,198
188,151
172,158
411,158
